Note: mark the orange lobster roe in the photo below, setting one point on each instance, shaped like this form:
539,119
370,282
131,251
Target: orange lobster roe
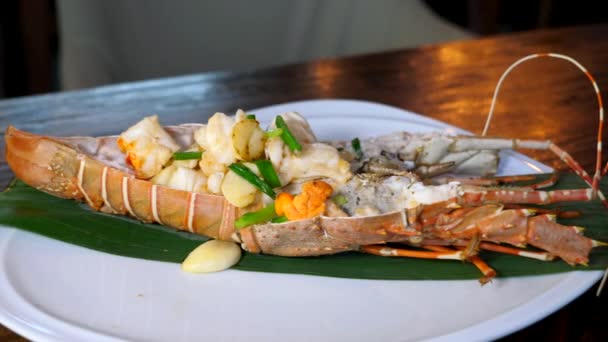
309,203
124,146
131,158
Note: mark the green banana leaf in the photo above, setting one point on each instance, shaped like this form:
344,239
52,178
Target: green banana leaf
26,208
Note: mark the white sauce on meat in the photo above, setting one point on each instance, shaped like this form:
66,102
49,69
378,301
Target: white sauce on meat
419,193
373,195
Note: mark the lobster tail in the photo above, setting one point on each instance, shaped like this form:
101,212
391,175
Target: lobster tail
52,166
43,163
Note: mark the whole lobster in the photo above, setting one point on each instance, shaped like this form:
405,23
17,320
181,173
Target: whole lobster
456,218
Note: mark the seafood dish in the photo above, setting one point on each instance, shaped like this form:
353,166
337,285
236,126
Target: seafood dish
279,190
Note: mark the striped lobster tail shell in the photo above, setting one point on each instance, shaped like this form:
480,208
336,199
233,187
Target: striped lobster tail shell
50,166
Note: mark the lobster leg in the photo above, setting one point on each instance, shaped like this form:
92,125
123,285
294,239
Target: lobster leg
565,214
518,227
401,252
516,251
489,246
546,183
488,272
482,181
481,143
478,195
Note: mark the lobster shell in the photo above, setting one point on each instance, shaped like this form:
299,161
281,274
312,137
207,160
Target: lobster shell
93,170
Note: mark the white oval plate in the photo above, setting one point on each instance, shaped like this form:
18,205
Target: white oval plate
52,291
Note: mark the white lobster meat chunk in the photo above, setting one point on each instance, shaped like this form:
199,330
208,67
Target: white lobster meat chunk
299,127
148,147
214,182
216,139
181,178
316,160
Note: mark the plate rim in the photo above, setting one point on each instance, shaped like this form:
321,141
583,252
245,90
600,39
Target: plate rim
493,328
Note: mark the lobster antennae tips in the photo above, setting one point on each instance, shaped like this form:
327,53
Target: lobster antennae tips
486,279
537,255
458,255
597,243
236,238
602,283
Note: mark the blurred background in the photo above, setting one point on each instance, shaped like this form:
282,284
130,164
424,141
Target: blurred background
54,45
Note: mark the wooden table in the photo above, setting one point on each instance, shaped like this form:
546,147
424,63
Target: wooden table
453,82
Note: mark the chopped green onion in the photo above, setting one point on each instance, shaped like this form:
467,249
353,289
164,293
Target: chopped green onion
280,219
287,137
252,178
187,155
251,116
277,132
340,199
268,173
260,216
356,144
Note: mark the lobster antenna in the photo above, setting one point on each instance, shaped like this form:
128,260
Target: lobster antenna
601,286
598,161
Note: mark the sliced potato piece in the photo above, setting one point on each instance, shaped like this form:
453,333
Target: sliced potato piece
257,141
212,256
237,190
248,139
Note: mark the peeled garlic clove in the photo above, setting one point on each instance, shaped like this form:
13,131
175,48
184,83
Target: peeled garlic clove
212,256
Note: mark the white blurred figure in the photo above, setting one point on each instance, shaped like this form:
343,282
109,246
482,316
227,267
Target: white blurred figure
109,41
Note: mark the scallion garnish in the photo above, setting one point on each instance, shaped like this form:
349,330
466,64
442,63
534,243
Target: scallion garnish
340,199
251,116
287,137
260,216
252,178
187,155
356,144
268,173
277,132
279,219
